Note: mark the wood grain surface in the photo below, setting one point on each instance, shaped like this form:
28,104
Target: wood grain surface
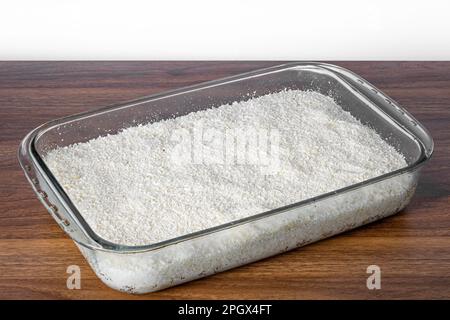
412,248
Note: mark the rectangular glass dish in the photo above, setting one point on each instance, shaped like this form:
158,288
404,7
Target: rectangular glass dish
147,268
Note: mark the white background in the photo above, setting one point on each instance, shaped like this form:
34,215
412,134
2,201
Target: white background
231,29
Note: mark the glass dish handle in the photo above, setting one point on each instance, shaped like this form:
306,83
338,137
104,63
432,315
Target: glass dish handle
49,197
390,107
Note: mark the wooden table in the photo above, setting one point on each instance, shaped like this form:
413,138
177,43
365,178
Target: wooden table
412,248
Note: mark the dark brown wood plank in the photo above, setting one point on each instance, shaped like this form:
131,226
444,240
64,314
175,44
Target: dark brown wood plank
412,248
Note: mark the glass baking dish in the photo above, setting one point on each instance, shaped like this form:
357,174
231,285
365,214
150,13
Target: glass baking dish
147,268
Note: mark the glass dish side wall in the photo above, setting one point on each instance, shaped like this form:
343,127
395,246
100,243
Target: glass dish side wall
143,272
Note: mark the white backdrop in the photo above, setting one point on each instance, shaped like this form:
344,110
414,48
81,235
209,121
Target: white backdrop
230,29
